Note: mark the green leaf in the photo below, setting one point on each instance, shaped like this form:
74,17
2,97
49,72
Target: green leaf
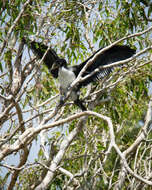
1,68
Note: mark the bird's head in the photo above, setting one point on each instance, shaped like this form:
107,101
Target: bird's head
56,65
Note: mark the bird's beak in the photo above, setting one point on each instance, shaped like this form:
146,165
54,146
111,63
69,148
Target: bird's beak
54,66
54,70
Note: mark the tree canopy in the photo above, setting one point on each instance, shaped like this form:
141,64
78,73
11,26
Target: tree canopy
106,147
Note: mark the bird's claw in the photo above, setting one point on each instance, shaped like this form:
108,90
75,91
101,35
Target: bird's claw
62,99
61,102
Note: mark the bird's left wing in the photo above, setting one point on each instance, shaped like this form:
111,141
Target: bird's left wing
114,54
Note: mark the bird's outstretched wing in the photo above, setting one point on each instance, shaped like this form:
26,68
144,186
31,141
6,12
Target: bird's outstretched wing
114,54
39,49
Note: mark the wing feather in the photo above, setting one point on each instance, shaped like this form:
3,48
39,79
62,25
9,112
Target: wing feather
114,54
50,58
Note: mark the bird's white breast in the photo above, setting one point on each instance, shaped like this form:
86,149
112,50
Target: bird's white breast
66,77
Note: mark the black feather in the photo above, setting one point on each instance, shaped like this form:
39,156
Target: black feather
50,58
114,54
54,62
40,49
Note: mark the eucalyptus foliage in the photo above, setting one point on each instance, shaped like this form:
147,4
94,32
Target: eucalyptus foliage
75,29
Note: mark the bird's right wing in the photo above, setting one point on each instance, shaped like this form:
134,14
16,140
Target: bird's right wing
39,49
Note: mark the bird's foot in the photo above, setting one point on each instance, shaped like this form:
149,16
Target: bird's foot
61,101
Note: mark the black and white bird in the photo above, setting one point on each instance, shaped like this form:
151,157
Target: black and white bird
66,75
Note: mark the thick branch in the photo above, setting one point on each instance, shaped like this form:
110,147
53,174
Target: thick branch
56,161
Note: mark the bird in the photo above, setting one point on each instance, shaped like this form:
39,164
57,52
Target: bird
59,68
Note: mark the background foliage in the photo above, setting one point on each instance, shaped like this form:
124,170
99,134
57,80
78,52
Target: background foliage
28,95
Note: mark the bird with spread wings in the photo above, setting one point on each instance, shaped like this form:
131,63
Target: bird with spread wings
67,74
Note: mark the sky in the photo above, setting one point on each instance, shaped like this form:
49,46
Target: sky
14,158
